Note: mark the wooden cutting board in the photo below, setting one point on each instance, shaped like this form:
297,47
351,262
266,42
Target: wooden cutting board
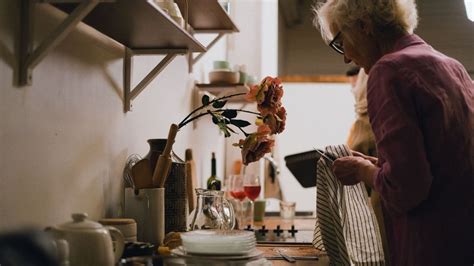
141,174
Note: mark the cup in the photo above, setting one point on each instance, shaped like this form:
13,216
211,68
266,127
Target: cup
221,65
259,210
287,209
243,77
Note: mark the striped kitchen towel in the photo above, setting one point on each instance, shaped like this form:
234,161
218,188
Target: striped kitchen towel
346,227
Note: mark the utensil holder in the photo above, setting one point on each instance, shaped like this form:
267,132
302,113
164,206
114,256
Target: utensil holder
148,209
176,203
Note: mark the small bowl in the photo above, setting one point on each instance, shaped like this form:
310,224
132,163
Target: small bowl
226,77
221,65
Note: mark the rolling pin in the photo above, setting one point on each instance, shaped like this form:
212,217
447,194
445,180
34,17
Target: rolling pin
191,178
164,161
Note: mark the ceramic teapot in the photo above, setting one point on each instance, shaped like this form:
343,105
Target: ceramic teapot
89,242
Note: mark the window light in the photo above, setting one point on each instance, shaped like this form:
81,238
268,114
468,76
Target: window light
469,9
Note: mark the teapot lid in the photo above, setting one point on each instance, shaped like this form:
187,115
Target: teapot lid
80,222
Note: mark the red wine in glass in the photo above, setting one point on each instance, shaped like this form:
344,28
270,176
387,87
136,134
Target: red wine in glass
252,192
240,195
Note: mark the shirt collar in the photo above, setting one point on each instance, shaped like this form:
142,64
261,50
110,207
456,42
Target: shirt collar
407,40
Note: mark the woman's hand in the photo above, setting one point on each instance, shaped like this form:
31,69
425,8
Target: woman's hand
373,160
351,170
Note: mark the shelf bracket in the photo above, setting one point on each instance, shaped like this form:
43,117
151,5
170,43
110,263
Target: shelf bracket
130,94
192,60
30,57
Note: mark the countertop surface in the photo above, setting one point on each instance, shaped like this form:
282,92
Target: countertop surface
297,246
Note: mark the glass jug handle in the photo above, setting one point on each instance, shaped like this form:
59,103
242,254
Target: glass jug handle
227,204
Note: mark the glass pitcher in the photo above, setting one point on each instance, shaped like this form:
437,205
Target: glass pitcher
212,211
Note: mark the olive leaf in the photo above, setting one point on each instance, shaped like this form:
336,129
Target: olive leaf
215,119
239,123
219,104
229,113
205,99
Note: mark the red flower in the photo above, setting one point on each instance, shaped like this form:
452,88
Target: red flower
276,122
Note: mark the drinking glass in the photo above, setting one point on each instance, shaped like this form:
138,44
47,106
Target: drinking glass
252,191
252,186
236,190
287,209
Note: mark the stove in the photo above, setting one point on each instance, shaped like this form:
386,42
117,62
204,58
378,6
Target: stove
283,235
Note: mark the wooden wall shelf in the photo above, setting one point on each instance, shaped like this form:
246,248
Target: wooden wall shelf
200,20
315,79
138,24
220,90
198,15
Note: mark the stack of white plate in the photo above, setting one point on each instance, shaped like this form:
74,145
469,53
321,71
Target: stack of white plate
219,242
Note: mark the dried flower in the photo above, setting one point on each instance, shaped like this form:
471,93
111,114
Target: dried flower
256,145
276,122
267,94
270,119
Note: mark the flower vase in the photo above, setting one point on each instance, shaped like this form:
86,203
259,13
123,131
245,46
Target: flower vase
176,203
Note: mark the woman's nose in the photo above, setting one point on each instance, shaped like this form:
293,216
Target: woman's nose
347,60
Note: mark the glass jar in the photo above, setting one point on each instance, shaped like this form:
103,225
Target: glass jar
212,211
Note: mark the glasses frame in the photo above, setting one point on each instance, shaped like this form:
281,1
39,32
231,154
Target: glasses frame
334,44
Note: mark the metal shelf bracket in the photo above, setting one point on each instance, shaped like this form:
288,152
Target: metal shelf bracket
130,94
29,56
192,60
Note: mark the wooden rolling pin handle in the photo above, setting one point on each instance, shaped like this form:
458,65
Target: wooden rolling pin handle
164,161
170,141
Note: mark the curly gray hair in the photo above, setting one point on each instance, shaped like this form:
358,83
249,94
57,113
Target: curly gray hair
384,15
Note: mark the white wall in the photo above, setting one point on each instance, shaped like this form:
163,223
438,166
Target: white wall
65,139
319,114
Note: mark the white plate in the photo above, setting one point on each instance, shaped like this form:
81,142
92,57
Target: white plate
254,254
217,235
219,251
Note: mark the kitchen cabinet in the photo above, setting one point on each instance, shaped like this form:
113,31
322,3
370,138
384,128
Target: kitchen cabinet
139,25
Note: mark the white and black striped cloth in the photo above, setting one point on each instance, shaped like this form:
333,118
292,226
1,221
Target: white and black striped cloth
346,227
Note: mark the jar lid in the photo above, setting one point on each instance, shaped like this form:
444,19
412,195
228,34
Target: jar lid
80,222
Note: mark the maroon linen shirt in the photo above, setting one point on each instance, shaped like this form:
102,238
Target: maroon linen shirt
421,108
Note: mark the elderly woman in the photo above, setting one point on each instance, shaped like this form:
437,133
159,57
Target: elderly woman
421,109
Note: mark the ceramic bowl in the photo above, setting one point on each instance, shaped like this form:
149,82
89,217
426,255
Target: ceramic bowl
223,77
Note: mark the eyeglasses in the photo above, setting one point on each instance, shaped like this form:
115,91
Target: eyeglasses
336,43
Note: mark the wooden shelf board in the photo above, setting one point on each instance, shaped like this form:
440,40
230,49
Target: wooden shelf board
315,79
201,20
138,24
220,90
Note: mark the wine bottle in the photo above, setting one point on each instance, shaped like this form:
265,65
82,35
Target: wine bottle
212,182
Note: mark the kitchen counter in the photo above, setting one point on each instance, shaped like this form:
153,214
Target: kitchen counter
298,245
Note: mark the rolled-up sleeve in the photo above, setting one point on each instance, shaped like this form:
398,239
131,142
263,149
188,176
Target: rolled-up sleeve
404,178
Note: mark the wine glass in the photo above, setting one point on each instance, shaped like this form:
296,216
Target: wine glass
236,188
252,186
252,191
